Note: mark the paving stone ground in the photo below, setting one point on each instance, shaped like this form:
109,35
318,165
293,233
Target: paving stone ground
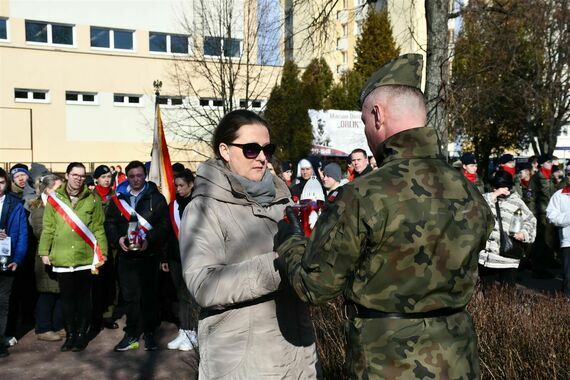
34,359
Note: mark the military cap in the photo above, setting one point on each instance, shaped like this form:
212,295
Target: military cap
544,158
506,158
468,159
406,70
100,170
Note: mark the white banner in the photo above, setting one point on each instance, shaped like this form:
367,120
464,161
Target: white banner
337,133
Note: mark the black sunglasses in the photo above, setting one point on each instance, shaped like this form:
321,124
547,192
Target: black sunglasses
252,150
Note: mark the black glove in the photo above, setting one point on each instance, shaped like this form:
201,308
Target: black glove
287,229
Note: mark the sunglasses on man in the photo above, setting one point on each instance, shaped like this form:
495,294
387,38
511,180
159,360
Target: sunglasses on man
252,150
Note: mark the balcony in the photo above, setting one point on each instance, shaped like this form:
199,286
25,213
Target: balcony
341,44
342,16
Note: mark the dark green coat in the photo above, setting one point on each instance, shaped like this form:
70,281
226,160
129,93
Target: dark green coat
45,282
404,239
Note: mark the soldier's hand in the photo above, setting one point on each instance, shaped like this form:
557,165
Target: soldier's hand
286,229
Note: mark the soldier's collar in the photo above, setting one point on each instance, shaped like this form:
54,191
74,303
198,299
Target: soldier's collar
412,143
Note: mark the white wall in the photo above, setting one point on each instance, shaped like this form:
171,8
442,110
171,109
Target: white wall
151,15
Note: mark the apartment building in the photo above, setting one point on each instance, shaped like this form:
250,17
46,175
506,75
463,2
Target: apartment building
76,76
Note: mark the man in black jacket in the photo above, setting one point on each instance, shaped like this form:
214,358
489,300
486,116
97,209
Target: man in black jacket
359,161
138,269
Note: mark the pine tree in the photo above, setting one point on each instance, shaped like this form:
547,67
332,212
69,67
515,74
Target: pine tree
376,45
344,94
317,81
287,114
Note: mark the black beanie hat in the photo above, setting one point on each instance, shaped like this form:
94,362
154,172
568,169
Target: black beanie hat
544,158
506,158
468,159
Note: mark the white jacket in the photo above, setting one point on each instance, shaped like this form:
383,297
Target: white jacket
558,213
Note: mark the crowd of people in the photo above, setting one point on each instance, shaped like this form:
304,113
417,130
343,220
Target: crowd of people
535,189
402,242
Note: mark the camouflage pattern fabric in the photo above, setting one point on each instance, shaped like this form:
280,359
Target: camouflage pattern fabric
406,70
404,239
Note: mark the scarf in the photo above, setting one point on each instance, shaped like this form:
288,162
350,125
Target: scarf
525,181
470,177
546,172
183,202
508,169
263,192
103,192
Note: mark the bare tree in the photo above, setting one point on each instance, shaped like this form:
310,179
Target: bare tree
548,93
234,63
437,67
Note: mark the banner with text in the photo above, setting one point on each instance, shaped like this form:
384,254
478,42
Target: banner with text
337,133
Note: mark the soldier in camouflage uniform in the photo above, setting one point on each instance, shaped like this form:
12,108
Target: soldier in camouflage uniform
400,244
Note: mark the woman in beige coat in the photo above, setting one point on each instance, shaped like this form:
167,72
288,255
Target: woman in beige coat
252,325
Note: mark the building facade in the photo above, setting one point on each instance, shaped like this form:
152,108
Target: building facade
76,76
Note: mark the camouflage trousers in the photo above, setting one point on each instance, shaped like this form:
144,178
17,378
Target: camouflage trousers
432,348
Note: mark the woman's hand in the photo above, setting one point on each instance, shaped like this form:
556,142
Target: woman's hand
501,191
45,260
519,236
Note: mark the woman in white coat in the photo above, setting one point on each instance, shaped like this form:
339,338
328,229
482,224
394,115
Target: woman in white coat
252,325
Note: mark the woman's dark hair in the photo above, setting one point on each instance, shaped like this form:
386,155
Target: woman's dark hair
226,132
74,165
186,175
4,174
502,179
134,164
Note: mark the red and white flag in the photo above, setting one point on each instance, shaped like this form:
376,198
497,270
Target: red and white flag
160,166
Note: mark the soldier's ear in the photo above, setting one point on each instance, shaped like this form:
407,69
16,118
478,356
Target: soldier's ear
378,116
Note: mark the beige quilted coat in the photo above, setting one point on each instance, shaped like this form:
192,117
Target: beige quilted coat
252,326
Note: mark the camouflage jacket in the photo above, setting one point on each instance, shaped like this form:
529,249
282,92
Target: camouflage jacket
404,238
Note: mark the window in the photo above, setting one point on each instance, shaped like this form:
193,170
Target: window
127,99
216,46
171,101
168,43
112,39
31,96
254,103
76,97
3,29
204,102
49,33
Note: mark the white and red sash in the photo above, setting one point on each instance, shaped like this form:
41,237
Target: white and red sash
79,227
175,217
126,210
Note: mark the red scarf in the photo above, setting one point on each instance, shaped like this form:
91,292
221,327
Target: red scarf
470,177
525,182
508,169
546,172
103,191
